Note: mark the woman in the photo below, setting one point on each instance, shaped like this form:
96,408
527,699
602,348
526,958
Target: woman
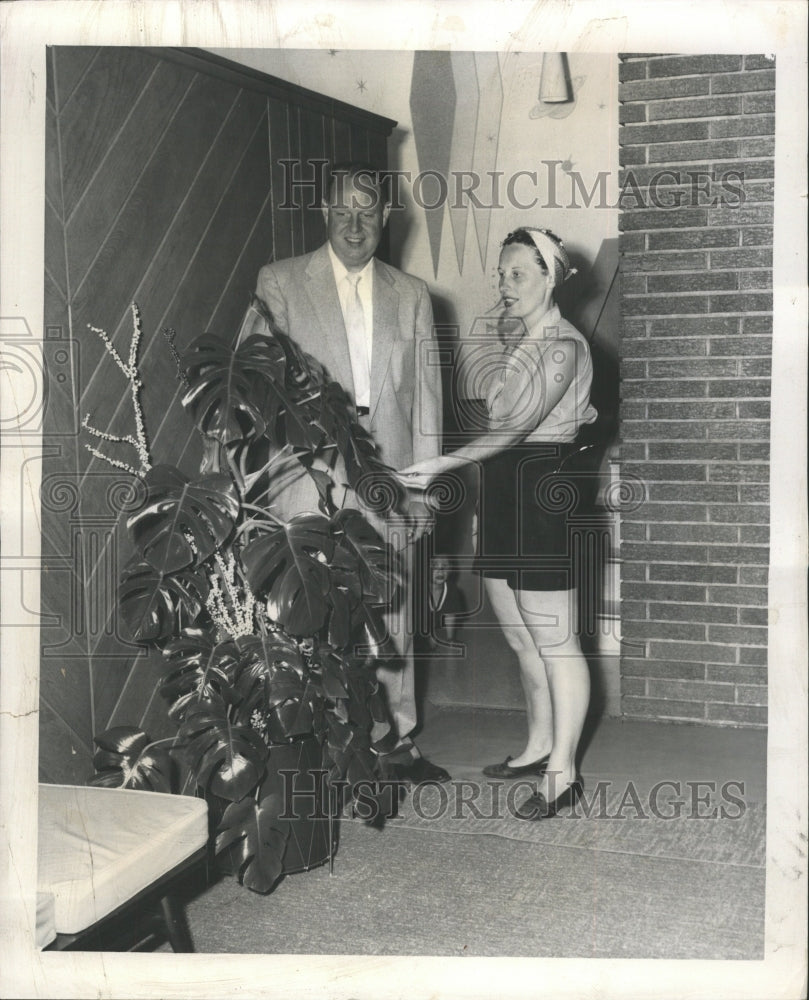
537,398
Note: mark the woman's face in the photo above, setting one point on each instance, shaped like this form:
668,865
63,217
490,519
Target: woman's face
525,289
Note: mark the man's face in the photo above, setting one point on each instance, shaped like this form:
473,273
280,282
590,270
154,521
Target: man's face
355,217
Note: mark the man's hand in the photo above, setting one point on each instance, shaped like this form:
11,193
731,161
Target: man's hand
414,520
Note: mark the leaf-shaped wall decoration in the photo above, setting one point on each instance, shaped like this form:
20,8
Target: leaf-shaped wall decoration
196,668
176,510
148,600
227,759
289,566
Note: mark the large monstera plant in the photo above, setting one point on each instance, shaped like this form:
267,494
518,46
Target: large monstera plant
269,628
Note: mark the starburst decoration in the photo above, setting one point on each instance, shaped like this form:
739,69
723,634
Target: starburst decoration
332,52
361,86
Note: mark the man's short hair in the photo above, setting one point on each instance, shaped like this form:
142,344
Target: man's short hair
369,178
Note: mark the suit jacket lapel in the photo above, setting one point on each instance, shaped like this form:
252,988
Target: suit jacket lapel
386,325
322,293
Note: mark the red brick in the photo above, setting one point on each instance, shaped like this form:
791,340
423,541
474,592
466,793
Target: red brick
694,533
631,243
762,236
759,62
679,389
753,655
669,430
754,534
757,104
700,651
633,686
754,493
702,281
697,65
631,155
754,616
645,176
754,215
735,473
736,674
758,191
665,305
676,670
641,590
743,303
668,513
684,326
632,284
673,219
689,493
671,347
756,169
749,452
629,69
746,345
683,152
743,714
762,146
735,83
753,576
657,708
748,635
641,135
741,513
631,113
743,125
678,473
740,555
748,694
709,573
743,430
756,281
691,411
756,409
664,261
631,368
632,573
697,690
681,631
633,410
741,258
693,367
664,552
693,238
755,366
740,596
651,90
693,451
696,107
635,452
716,614
739,388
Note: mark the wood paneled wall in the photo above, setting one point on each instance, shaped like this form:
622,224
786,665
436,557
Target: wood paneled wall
163,187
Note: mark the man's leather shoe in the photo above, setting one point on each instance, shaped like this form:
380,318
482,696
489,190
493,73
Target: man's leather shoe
504,770
420,770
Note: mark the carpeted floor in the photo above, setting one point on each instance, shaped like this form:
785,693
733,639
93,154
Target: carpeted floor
621,882
414,892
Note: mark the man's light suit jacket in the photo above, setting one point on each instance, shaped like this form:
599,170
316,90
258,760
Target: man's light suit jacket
405,406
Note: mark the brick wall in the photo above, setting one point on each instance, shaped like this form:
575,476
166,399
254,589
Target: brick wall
696,144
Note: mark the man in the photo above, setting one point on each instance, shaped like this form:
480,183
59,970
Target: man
368,323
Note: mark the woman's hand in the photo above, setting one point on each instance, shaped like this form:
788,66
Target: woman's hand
420,473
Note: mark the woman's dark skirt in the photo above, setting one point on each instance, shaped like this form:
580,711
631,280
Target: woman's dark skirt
531,497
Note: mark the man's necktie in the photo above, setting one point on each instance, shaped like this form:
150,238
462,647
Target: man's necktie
357,343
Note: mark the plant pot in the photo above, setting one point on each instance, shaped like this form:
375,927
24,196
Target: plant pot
294,797
295,776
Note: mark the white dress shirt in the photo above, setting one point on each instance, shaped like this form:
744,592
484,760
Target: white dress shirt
365,291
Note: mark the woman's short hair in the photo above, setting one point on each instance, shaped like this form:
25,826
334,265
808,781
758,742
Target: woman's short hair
560,262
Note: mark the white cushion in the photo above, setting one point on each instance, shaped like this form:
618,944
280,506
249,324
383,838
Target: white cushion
98,847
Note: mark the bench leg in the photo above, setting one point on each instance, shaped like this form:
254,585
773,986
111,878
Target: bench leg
176,925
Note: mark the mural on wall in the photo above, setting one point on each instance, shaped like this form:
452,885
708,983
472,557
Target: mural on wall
456,100
557,91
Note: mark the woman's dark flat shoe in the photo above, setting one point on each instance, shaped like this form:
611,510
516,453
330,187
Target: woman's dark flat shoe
503,770
535,806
